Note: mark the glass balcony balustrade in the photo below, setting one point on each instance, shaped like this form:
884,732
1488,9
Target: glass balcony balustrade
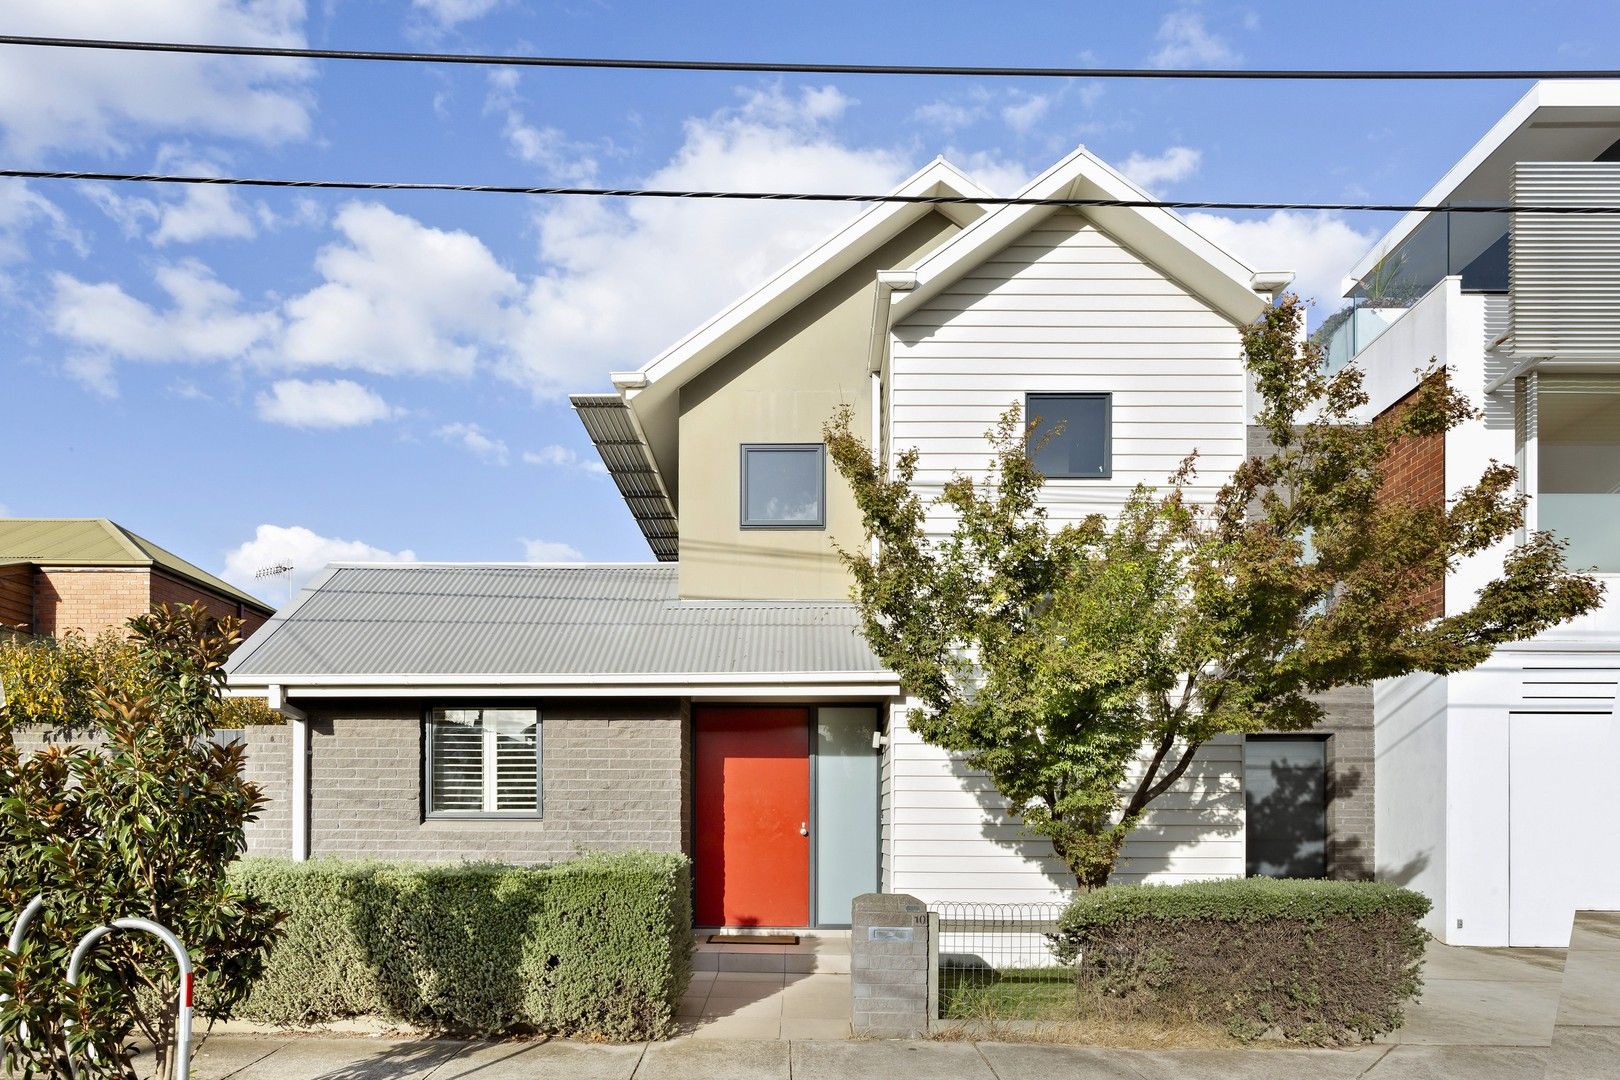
1473,246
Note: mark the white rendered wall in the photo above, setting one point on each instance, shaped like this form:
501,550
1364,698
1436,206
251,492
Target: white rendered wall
1409,798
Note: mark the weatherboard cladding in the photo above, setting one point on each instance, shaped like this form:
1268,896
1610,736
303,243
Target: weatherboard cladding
544,620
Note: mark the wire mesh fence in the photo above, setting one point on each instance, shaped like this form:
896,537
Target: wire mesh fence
997,961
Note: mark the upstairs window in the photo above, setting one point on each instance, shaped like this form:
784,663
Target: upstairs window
482,762
1071,437
784,486
1577,493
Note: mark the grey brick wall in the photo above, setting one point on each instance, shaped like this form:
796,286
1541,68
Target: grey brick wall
614,774
1349,726
269,765
889,952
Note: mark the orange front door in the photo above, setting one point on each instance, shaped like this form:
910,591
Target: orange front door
752,847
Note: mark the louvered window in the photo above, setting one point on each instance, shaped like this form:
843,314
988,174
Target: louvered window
483,761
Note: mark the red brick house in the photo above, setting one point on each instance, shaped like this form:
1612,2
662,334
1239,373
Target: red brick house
91,574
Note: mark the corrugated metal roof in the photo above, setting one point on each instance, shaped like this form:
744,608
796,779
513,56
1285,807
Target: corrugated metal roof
629,460
100,542
426,620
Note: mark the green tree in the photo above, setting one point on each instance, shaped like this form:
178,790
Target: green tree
142,824
1083,667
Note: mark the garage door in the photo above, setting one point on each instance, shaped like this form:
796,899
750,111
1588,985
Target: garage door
1565,809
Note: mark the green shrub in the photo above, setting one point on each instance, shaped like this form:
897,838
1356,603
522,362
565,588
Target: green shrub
1316,961
599,946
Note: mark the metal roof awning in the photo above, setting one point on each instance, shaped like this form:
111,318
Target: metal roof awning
629,460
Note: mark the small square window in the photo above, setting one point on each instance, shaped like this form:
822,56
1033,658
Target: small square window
1071,437
784,486
482,762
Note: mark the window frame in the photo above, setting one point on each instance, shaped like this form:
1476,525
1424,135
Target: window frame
489,778
820,451
1107,398
1323,739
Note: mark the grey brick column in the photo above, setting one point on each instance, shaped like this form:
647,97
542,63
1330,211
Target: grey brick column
889,966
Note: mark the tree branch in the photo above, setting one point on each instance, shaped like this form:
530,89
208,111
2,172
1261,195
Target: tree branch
1174,774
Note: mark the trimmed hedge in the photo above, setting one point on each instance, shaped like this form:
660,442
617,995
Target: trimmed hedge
598,946
1314,961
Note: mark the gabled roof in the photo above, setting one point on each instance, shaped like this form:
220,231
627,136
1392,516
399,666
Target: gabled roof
1160,236
568,627
638,442
100,542
805,275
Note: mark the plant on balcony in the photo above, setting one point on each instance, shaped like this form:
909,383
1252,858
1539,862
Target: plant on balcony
1083,666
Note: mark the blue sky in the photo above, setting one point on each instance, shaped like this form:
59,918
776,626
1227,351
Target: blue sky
260,377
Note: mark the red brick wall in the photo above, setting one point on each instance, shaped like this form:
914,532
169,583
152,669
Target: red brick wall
89,599
16,595
171,591
93,599
1415,473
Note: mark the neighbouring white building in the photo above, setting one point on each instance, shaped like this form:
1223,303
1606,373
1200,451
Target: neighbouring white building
1494,793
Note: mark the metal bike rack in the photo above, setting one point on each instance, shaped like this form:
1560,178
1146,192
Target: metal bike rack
20,928
182,1028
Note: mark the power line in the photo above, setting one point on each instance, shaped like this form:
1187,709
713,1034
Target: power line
796,68
798,196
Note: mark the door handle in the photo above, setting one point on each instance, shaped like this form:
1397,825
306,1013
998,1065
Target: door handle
804,828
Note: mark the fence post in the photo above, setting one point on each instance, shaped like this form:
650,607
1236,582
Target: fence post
933,966
890,948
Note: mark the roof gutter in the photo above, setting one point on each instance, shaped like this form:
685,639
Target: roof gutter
781,685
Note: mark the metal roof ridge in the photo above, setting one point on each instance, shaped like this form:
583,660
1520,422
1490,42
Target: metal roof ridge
516,564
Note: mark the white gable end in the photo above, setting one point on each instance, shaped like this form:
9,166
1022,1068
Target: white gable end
1066,308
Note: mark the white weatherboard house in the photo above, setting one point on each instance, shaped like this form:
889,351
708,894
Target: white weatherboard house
720,701
1494,791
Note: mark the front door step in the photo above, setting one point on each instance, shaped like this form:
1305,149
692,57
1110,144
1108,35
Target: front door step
753,939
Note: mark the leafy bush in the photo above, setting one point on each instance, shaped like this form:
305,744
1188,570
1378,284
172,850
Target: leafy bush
599,946
1316,961
143,825
51,682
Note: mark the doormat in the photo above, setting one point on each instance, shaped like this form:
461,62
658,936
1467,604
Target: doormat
753,939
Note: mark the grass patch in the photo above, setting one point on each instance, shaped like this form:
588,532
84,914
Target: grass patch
1047,993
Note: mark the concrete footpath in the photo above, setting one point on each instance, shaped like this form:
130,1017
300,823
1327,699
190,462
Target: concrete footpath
1486,1014
299,1058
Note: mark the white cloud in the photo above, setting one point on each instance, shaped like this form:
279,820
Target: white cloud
302,549
547,147
562,457
1174,165
54,98
475,440
204,321
195,212
1184,41
550,551
948,115
1318,247
399,297
334,403
626,280
22,209
1024,115
451,12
